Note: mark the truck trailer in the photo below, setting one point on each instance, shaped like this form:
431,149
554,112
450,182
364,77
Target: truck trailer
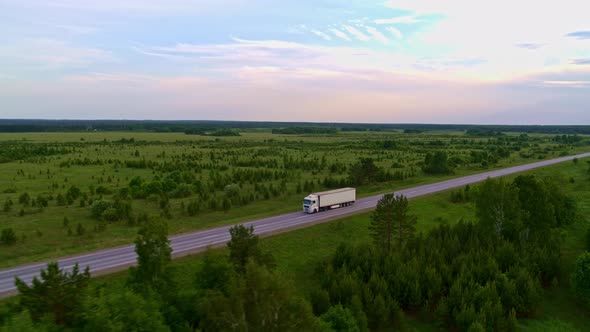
330,199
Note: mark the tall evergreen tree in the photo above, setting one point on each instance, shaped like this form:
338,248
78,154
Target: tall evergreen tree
341,319
497,207
437,163
243,246
262,301
153,255
391,222
364,171
581,278
538,213
122,312
58,293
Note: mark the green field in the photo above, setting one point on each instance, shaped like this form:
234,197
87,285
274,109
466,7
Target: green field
258,174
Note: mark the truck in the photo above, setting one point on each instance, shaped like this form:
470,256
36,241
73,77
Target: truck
331,199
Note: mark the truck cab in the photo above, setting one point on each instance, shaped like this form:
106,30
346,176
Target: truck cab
311,204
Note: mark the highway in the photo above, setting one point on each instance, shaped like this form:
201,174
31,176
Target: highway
110,260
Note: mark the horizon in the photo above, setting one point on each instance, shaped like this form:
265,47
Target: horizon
319,123
373,62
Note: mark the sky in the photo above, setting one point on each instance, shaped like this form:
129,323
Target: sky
388,61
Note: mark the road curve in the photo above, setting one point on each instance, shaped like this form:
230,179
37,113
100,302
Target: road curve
109,260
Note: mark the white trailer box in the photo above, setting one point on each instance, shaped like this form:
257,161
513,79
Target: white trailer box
330,199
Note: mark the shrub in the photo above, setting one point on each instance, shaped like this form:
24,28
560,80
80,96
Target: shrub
437,163
193,208
340,319
8,237
8,205
100,206
103,190
80,230
581,277
110,214
24,199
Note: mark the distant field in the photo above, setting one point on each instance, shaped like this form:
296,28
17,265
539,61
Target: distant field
202,181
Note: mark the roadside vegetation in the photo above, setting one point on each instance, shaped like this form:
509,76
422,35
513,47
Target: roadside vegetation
507,256
68,192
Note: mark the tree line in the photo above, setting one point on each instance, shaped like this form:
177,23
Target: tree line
26,125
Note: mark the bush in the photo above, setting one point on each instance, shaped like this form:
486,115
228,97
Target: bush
110,214
60,200
581,278
437,163
8,205
340,319
103,190
42,201
8,237
24,199
183,190
100,206
193,208
80,230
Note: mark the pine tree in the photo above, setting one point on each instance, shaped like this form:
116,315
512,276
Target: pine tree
497,207
58,293
123,311
7,236
580,278
243,246
153,255
80,230
391,222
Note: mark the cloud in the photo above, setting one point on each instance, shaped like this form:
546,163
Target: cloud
579,34
356,33
529,46
277,94
340,34
487,30
571,84
398,20
377,35
50,54
395,32
500,21
228,57
152,6
580,61
323,35
298,29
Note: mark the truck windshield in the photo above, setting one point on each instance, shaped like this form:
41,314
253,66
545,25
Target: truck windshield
307,202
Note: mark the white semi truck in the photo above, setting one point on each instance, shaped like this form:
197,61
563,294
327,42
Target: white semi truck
330,199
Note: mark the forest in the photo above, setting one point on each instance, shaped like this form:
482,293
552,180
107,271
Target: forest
193,126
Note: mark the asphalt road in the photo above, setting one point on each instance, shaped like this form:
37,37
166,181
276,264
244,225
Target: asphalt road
110,260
